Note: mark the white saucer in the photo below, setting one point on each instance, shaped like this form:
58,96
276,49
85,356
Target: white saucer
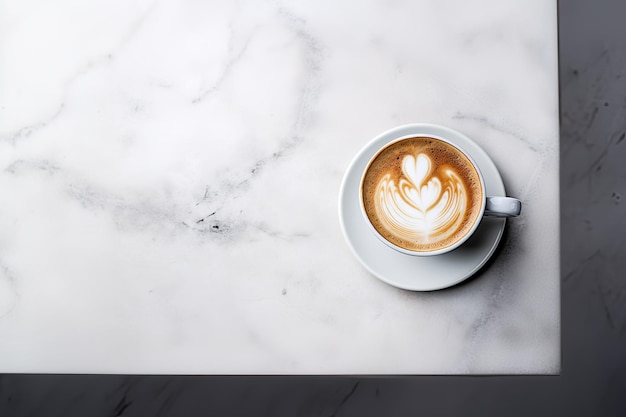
413,272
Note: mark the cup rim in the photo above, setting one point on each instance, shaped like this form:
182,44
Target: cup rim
481,212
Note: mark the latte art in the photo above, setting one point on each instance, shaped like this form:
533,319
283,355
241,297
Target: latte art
421,206
422,194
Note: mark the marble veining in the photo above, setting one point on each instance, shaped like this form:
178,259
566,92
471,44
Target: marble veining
170,172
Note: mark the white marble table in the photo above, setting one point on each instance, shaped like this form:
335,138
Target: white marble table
170,171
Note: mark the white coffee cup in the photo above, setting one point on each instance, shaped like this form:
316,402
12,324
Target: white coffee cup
495,206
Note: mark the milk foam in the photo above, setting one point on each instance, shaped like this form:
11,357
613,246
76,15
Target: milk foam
418,206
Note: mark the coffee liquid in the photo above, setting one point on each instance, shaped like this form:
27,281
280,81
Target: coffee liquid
422,194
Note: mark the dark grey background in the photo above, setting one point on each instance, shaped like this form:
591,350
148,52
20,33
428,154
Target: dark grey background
592,42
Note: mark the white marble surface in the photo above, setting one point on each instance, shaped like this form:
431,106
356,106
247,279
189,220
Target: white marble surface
169,173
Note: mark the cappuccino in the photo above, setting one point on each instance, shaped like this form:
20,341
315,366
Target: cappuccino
422,194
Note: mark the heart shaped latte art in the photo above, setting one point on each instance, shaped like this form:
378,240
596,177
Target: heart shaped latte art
421,207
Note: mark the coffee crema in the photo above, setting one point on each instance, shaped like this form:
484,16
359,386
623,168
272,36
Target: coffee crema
422,194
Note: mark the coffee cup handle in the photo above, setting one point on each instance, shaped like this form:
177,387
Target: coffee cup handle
503,207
